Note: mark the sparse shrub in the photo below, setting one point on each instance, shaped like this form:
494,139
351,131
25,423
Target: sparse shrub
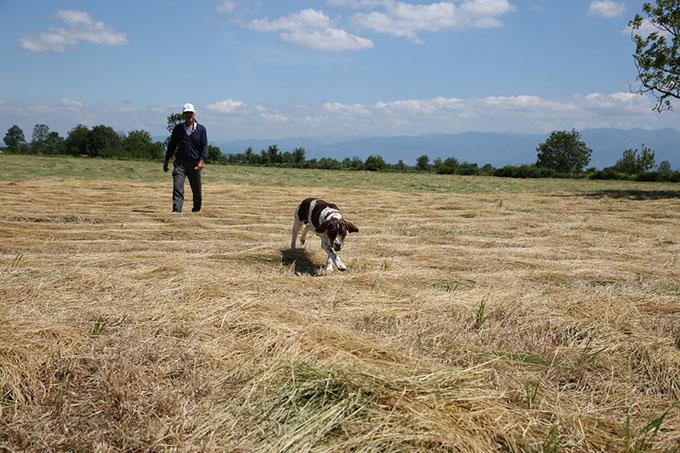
643,441
99,326
552,443
480,315
17,260
531,392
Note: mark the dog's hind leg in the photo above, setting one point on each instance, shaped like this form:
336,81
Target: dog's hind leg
303,238
296,230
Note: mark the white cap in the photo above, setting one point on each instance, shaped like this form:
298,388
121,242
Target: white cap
189,108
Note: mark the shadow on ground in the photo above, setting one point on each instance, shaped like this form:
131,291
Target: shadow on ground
635,194
301,260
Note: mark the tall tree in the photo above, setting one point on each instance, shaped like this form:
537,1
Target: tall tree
139,143
657,53
423,163
54,143
173,120
77,140
564,152
635,162
665,168
41,132
273,155
103,141
375,162
249,156
14,138
215,155
299,155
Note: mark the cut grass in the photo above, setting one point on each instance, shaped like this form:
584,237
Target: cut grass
125,328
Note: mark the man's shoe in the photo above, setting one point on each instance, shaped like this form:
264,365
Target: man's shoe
176,212
195,210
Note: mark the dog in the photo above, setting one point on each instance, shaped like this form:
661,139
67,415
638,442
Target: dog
329,225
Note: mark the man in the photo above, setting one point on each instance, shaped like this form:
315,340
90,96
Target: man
190,139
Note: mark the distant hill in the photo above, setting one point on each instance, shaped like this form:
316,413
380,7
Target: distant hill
497,149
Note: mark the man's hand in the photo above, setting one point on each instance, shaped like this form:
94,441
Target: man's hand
200,165
165,166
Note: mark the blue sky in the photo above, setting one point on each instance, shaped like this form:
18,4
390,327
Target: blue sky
269,69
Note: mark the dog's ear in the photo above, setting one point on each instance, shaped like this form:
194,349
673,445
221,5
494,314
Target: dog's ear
323,227
351,228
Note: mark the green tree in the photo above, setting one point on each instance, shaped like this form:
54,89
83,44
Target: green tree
215,155
39,138
356,163
634,162
299,155
375,162
487,170
249,156
53,143
14,138
446,167
139,144
423,163
665,168
139,137
77,140
657,54
273,155
173,120
263,157
103,141
564,152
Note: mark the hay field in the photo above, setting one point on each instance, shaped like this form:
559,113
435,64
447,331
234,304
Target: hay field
510,319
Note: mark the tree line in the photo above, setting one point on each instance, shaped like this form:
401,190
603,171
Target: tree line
562,155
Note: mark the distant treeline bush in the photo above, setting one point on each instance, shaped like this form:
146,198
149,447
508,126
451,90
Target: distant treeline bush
563,155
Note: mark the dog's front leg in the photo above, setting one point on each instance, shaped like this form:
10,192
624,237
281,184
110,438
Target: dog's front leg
338,263
331,256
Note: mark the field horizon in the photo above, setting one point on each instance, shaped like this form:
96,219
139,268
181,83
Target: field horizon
477,313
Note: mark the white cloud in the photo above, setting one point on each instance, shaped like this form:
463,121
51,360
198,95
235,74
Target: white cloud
71,104
420,106
406,20
620,103
646,29
356,4
313,29
606,8
225,107
525,103
227,6
348,109
271,115
231,119
78,26
522,113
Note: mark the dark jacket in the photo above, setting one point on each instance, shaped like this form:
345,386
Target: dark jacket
189,148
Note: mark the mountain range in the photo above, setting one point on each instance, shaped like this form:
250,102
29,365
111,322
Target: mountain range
498,149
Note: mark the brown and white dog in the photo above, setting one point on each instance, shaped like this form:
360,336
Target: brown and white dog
329,225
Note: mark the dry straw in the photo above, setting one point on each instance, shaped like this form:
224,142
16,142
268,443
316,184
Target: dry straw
521,322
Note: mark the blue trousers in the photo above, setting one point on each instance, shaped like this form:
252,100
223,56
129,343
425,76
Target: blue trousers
180,171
